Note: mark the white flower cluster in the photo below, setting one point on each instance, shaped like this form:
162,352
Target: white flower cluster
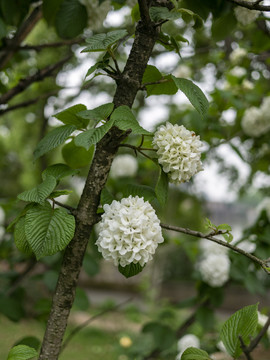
96,12
185,342
256,120
214,265
262,320
178,151
237,55
129,232
123,165
238,71
245,16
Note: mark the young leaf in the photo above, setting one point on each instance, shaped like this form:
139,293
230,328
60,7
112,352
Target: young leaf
144,191
40,192
100,113
228,237
162,186
193,93
70,116
92,136
53,139
101,42
48,230
242,323
195,354
166,85
130,270
20,237
124,119
22,352
58,171
225,227
76,156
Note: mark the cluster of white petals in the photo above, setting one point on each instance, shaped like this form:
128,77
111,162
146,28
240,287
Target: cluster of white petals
237,55
185,342
123,165
245,16
96,12
129,232
179,152
214,269
238,71
262,320
256,120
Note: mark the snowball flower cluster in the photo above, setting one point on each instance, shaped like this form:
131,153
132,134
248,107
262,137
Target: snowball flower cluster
245,16
129,232
237,55
214,269
256,120
124,165
185,342
178,151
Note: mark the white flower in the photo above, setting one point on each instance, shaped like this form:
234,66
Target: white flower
214,269
185,342
237,55
96,12
262,320
178,151
183,71
256,121
238,71
124,165
129,232
210,247
245,16
247,85
247,245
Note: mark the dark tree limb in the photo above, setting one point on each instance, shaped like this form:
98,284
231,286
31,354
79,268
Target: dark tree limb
251,5
38,76
50,45
23,31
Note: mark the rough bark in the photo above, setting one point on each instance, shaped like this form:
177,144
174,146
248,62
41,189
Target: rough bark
128,85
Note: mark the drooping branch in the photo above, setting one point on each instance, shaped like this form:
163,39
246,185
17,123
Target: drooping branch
251,5
12,46
38,76
262,263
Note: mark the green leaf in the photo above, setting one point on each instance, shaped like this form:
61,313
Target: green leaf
144,191
100,113
101,42
224,227
195,354
30,341
162,13
106,197
242,323
164,336
135,13
130,270
124,119
166,87
162,187
228,237
48,230
92,136
71,19
53,139
17,218
11,308
22,352
188,15
76,156
223,26
70,116
58,193
58,171
20,237
50,9
194,94
40,192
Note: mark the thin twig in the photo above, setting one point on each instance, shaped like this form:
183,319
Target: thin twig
254,343
88,321
245,348
255,5
210,236
70,208
38,76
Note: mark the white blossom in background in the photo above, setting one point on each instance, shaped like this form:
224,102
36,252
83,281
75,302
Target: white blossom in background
237,55
124,165
185,342
247,245
183,71
96,13
262,320
178,151
247,85
129,232
245,16
265,107
214,269
210,247
238,71
77,184
252,122
264,205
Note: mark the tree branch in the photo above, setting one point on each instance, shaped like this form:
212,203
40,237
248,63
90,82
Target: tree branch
38,76
144,11
23,31
254,343
255,5
262,263
50,45
245,349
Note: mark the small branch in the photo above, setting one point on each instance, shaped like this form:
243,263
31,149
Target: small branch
210,236
254,343
50,45
70,208
162,81
255,5
38,76
88,321
245,348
